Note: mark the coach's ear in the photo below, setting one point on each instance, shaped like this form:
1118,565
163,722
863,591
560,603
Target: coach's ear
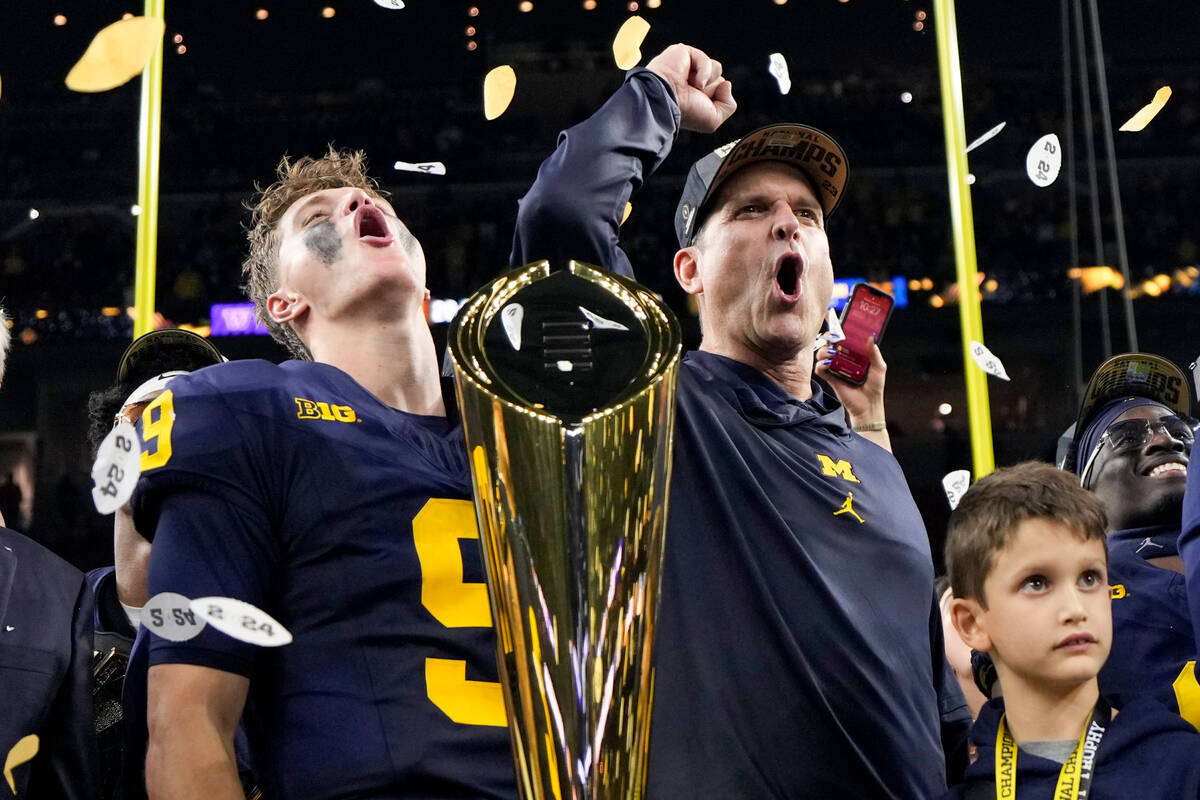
687,270
285,305
970,620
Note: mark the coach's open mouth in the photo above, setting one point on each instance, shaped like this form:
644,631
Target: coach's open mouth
788,269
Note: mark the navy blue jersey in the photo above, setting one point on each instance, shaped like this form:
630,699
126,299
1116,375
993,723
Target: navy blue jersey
1147,752
1189,552
799,650
294,489
1154,649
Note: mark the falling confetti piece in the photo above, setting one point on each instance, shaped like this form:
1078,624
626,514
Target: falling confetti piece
1142,118
242,621
118,464
987,361
392,4
628,42
833,331
117,54
625,213
833,326
1044,161
956,484
986,137
498,89
170,616
428,167
25,749
777,66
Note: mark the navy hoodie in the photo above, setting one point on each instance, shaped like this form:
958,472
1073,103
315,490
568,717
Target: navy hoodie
1147,753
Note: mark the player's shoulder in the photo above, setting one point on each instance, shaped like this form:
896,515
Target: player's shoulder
253,385
1145,723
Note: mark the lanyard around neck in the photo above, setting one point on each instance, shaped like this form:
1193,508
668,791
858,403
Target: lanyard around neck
1075,777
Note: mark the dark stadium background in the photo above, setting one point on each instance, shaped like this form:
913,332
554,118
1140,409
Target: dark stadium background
402,84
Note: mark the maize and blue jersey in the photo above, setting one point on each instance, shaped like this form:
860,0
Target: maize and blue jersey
1154,649
799,644
1189,552
294,489
1146,751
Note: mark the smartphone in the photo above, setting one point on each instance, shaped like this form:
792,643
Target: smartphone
866,313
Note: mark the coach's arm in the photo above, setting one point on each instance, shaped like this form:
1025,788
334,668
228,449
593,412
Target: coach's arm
574,208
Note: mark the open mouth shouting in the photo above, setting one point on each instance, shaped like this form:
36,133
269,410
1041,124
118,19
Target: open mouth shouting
372,227
789,269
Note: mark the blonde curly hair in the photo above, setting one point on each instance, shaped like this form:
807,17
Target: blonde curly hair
295,179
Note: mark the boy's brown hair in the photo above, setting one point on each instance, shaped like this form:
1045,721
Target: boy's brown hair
295,179
990,512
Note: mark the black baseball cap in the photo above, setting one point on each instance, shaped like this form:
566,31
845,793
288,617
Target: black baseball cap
144,356
812,151
1141,375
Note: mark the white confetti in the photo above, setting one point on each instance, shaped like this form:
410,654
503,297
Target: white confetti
394,5
986,137
428,167
832,333
242,621
1044,160
170,616
833,326
510,317
777,66
115,473
956,484
987,361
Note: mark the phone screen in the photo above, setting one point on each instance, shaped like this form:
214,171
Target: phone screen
866,314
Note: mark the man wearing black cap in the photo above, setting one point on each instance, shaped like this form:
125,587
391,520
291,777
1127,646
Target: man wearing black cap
1130,445
799,649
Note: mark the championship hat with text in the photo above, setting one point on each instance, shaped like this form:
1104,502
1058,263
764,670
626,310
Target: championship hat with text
813,152
1130,375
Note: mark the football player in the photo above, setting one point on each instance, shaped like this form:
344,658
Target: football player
331,492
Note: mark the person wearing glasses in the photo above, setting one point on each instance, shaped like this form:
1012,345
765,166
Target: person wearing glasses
1130,446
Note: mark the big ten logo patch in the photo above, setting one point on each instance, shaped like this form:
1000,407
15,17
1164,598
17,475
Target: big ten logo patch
315,409
1117,591
837,469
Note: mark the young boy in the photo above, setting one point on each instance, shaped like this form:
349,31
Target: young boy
1028,565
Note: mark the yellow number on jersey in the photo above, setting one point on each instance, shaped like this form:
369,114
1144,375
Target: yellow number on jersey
455,603
157,420
1187,694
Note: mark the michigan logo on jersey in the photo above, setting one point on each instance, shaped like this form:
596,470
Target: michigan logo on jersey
837,469
315,409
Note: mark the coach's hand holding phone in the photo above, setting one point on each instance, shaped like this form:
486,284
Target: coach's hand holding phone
863,402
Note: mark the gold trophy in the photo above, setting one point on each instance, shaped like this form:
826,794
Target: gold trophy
566,385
